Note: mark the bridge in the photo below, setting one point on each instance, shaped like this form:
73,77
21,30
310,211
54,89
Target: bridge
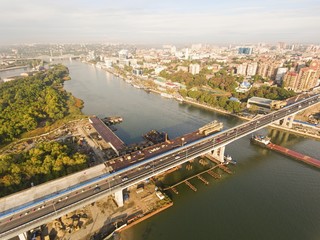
32,214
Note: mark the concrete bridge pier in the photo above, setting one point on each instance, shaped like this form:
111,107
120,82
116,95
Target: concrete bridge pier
118,197
23,236
218,153
287,121
274,133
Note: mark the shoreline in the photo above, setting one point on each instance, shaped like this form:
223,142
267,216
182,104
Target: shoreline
188,101
145,217
13,68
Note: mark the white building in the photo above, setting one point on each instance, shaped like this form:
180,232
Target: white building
158,69
196,47
280,74
186,55
194,68
244,87
242,69
123,54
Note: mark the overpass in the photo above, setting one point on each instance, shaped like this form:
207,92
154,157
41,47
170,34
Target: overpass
30,215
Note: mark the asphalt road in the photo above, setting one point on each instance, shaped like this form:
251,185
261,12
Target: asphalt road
124,178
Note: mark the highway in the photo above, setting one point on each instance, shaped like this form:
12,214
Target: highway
14,222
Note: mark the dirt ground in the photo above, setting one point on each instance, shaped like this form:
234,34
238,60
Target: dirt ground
98,219
312,111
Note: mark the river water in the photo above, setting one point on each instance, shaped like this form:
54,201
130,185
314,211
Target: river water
268,197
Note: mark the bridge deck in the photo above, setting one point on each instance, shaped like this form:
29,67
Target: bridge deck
127,160
106,133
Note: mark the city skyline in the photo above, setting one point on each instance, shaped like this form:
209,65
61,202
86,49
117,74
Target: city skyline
145,22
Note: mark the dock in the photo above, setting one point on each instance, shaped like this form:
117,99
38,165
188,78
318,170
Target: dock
209,171
175,190
219,164
212,159
191,186
296,155
203,180
226,169
107,134
214,175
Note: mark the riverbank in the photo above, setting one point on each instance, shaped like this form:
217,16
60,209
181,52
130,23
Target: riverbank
222,111
187,100
145,217
12,68
215,109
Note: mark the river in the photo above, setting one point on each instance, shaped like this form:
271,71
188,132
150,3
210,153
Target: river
268,197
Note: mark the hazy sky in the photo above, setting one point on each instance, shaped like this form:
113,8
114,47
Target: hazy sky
162,21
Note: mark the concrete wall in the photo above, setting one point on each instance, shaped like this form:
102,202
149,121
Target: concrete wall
53,186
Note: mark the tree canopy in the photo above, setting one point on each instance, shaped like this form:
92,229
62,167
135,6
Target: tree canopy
27,103
46,161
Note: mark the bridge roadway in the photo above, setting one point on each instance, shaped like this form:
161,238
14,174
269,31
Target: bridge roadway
40,212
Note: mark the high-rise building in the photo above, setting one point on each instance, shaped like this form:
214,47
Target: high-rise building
289,80
272,71
245,50
281,45
196,47
186,55
173,50
306,79
268,69
252,69
263,69
280,74
194,68
123,54
242,69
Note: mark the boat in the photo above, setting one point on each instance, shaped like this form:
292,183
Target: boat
112,120
211,127
179,99
136,86
228,159
260,140
166,95
156,137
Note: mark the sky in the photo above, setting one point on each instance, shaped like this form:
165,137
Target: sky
159,22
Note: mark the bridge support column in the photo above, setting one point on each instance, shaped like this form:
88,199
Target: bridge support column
219,153
288,121
118,197
23,236
291,121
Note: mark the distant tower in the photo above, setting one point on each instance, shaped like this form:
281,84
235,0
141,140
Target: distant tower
245,50
186,55
123,54
194,68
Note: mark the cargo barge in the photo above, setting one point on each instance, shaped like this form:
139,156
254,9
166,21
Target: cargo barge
266,143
